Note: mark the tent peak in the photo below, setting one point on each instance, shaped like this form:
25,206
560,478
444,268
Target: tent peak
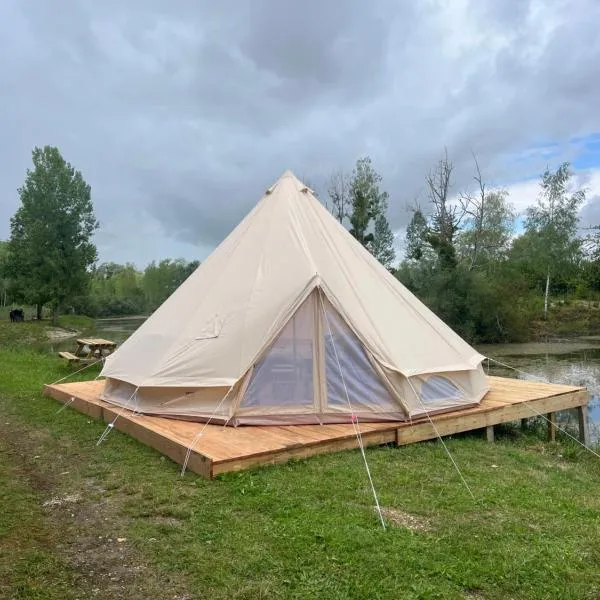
289,175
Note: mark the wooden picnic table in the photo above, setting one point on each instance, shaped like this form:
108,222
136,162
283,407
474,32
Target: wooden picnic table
96,347
90,350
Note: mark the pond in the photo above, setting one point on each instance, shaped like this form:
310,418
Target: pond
574,362
117,329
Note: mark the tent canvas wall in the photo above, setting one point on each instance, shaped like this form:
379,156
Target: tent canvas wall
291,320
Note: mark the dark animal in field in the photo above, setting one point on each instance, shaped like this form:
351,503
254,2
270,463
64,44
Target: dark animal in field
16,315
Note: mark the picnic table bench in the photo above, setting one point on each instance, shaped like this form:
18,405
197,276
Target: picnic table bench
89,350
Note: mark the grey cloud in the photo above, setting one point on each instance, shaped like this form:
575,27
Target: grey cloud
502,14
590,213
180,115
313,47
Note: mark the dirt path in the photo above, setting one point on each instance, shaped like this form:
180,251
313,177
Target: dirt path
57,334
71,518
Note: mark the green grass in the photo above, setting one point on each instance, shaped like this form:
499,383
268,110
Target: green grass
78,322
31,333
306,529
17,335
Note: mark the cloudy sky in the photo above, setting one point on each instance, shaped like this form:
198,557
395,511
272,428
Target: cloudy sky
180,114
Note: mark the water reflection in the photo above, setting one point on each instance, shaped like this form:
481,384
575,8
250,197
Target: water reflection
120,328
571,363
117,329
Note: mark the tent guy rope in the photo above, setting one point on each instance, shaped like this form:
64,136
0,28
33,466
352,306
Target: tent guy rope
197,437
79,371
72,399
66,405
111,425
439,437
564,431
542,380
354,418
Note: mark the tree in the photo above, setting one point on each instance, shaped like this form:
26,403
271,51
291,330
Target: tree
365,199
416,236
489,223
446,218
486,239
451,252
591,258
338,190
551,228
382,246
368,219
4,274
115,290
162,279
51,245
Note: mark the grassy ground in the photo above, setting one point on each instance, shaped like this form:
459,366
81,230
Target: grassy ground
81,521
34,332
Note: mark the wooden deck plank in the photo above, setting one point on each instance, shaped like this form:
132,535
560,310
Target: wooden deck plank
478,420
374,438
221,449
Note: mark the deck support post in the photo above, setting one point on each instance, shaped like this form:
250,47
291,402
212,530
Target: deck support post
489,433
552,427
584,426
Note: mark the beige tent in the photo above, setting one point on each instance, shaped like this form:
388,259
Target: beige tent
291,320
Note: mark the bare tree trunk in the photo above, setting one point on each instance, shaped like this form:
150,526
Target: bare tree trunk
339,191
546,294
38,309
447,216
476,209
479,215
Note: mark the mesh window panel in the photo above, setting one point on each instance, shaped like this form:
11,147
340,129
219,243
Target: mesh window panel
437,389
284,376
364,386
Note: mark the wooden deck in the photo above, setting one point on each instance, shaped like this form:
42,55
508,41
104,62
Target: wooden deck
222,449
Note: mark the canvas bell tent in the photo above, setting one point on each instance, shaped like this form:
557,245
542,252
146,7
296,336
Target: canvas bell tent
289,321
